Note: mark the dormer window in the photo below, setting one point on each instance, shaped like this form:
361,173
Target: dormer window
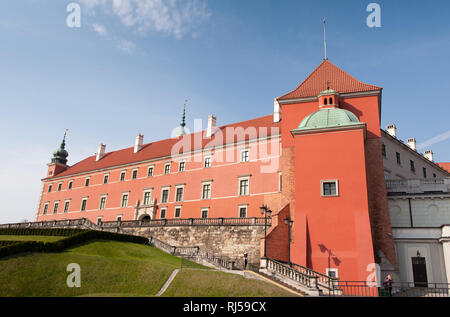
331,101
325,102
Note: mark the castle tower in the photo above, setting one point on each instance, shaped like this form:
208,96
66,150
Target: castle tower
58,162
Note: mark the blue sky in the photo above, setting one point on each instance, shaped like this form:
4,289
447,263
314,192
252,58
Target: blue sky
132,63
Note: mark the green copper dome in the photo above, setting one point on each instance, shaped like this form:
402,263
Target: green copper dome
328,118
60,155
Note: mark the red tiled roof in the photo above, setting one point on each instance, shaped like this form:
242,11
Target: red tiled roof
338,80
445,166
163,148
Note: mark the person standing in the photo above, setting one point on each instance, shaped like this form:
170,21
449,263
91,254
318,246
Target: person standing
388,284
245,260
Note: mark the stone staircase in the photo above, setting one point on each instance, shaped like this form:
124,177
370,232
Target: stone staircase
302,279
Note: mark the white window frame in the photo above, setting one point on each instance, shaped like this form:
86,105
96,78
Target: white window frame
55,203
59,188
248,155
88,181
70,184
121,200
176,193
107,180
65,203
335,270
99,219
119,216
210,190
246,210
45,209
124,173
175,211
49,188
165,168
184,166
134,170
322,182
165,213
149,199
243,178
201,212
209,158
152,167
100,202
162,194
85,206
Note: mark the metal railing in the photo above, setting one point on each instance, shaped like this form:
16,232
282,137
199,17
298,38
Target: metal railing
193,252
371,289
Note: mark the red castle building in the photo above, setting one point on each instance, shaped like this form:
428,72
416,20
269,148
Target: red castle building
316,162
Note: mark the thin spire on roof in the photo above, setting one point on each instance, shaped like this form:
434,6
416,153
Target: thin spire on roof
325,38
183,119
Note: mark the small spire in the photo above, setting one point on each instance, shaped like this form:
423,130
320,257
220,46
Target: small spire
325,38
183,119
63,143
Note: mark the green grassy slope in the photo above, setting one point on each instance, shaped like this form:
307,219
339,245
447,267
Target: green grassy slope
111,268
216,284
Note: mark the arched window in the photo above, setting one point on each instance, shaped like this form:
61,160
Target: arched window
331,100
325,101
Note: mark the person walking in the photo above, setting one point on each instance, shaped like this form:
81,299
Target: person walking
388,284
245,260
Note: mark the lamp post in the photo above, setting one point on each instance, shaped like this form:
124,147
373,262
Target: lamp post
266,212
289,223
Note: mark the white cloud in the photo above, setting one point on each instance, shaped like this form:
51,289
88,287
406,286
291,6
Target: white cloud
126,46
172,17
100,29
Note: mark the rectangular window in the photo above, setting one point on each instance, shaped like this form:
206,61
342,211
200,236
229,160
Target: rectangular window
243,211
411,164
99,221
105,178
206,192
44,212
399,161
329,188
50,188
204,213
134,175
66,206
162,215
150,171
59,186
86,182
102,202
119,218
83,204
167,169
182,166
147,198
434,175
55,207
243,187
383,149
179,195
122,176
70,184
424,172
165,196
244,156
207,162
177,212
124,200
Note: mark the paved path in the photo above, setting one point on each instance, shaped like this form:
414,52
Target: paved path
169,280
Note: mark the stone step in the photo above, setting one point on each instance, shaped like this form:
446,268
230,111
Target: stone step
277,280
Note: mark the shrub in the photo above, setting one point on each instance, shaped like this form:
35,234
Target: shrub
40,231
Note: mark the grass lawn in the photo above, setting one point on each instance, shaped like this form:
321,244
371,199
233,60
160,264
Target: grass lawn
199,283
30,238
107,267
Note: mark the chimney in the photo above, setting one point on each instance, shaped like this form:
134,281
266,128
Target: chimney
392,130
429,155
138,143
276,111
211,126
411,143
100,152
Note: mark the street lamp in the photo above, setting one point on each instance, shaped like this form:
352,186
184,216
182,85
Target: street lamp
289,223
266,212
